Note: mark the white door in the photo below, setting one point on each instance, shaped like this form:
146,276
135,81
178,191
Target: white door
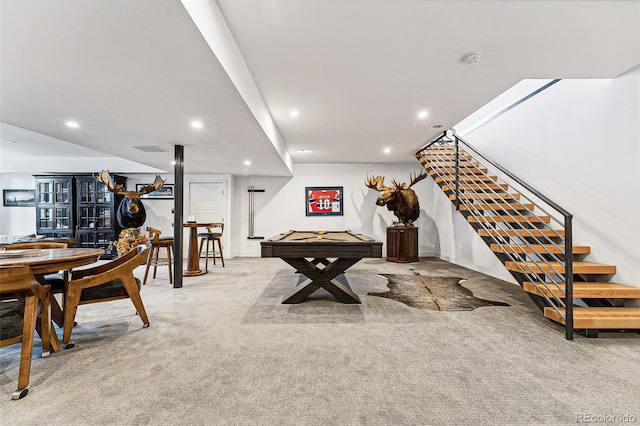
208,203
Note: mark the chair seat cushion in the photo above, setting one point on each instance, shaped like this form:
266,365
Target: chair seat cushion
56,281
210,235
107,290
167,238
12,317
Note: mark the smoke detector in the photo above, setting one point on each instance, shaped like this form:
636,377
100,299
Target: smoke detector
471,58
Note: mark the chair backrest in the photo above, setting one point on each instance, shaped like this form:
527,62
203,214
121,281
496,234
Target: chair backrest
14,281
36,245
216,228
154,234
15,278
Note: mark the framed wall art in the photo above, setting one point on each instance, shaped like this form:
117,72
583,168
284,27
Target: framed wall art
323,200
164,193
19,197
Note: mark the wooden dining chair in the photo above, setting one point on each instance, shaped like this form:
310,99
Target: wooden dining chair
24,307
158,242
55,281
109,281
213,234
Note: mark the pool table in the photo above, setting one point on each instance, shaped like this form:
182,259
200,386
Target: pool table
309,253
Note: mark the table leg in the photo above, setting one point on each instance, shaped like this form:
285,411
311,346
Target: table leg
193,258
326,278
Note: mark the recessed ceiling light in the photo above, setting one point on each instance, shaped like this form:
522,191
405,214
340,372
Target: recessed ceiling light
387,150
422,115
196,124
247,162
294,113
72,124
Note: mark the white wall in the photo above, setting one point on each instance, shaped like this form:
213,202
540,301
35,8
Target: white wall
17,220
282,206
579,143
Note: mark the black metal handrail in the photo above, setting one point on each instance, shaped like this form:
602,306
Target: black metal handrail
566,222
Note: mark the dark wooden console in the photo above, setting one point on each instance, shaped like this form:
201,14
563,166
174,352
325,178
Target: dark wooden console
402,244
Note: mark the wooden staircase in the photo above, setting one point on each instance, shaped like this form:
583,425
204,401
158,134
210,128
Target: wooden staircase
532,246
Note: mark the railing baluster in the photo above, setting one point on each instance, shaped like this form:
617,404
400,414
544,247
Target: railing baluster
457,169
568,275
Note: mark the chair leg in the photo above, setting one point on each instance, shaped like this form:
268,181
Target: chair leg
43,324
155,264
220,248
28,330
131,286
71,301
57,315
200,249
206,260
149,260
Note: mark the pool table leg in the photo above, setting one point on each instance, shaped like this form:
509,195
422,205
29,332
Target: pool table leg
321,277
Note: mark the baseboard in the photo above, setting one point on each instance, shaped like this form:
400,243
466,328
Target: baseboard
500,274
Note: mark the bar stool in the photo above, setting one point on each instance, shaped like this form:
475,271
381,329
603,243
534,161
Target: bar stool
213,234
158,242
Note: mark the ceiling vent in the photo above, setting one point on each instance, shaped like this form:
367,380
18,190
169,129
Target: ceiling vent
150,148
435,127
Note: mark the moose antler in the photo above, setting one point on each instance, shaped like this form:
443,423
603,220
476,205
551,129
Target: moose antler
105,177
376,183
418,178
157,184
399,185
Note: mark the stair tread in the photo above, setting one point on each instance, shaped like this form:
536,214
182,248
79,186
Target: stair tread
446,156
466,179
450,169
509,219
599,318
578,267
475,186
552,233
497,207
485,196
537,248
586,290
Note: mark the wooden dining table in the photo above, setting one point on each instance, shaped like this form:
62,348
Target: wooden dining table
49,261
193,255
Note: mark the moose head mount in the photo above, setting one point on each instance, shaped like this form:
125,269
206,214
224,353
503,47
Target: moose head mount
131,212
399,198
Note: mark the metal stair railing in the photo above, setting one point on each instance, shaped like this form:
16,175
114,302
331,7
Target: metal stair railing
482,220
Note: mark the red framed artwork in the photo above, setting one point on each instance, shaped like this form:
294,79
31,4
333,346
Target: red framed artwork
323,201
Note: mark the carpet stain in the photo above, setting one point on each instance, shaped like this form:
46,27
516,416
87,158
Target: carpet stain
435,293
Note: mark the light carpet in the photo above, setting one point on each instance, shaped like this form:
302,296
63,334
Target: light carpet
223,351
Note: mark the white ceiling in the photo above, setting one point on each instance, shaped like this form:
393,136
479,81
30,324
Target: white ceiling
136,73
